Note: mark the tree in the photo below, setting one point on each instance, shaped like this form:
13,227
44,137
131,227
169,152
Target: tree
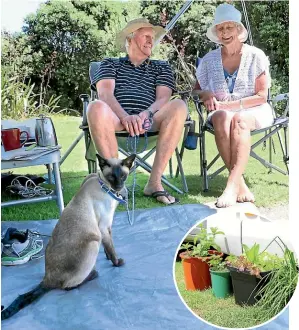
68,35
269,23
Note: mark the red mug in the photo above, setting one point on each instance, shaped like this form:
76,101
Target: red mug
11,138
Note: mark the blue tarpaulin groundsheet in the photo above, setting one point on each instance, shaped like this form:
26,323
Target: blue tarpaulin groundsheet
139,295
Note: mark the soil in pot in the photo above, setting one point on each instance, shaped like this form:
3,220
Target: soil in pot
246,286
197,271
221,283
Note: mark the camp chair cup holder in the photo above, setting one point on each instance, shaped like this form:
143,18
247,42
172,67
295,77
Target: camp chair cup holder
191,140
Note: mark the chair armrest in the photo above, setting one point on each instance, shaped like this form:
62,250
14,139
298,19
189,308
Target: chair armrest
85,100
280,97
184,95
195,92
84,97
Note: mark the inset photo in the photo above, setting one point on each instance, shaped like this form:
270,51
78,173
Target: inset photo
236,269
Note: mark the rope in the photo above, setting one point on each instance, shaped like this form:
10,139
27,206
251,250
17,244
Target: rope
29,189
132,146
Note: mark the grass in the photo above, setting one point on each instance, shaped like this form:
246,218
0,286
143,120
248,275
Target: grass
269,189
220,312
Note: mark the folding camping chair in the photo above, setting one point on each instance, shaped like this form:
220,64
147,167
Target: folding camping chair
280,123
122,140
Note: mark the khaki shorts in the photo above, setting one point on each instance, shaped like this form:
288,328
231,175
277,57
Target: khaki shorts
262,113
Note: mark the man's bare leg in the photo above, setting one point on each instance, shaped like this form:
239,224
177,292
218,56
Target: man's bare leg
240,150
169,120
103,123
222,126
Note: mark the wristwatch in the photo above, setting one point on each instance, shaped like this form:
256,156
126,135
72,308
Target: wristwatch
151,114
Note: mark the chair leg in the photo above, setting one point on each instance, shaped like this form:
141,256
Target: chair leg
200,157
180,166
286,156
58,187
270,151
49,173
170,168
204,164
284,147
90,154
95,167
182,148
70,149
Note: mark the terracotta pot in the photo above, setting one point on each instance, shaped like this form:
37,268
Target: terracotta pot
196,271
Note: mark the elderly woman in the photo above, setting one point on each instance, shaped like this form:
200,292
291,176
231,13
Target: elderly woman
233,81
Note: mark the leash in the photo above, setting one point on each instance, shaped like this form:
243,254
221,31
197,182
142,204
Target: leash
132,145
117,196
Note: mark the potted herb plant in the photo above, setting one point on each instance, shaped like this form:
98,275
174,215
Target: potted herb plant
250,272
220,277
276,294
196,256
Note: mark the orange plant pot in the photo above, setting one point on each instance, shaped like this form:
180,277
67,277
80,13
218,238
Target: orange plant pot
197,271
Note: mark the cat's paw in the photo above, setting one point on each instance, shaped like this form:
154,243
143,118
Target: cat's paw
119,263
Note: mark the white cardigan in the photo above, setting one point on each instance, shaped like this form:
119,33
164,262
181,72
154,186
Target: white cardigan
210,73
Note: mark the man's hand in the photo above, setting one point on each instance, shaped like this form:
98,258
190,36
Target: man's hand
133,124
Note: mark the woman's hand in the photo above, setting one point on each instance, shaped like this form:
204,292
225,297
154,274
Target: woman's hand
206,95
212,104
217,104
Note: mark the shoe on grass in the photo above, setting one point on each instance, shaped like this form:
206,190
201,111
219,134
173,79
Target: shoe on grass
17,247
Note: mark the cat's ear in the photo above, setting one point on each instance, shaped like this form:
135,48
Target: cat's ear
128,162
102,161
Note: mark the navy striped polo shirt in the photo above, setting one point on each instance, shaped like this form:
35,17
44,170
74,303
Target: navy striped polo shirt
135,87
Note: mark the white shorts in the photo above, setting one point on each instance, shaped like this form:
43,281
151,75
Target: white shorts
262,113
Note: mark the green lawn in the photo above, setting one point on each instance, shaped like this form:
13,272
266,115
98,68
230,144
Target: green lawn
221,312
269,189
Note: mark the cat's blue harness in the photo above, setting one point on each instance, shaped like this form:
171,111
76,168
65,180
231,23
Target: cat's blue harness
113,193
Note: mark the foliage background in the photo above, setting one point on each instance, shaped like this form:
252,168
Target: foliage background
52,53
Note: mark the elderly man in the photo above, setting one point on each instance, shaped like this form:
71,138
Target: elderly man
132,89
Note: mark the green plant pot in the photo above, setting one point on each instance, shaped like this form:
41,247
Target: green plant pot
221,283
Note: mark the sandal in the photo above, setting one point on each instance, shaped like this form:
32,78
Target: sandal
165,193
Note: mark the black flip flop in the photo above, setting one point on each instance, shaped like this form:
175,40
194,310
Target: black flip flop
165,193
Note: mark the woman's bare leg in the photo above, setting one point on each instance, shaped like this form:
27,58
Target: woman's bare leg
222,127
240,128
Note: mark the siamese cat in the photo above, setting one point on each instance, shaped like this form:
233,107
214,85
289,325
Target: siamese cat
85,223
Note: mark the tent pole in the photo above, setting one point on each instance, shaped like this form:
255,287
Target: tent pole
171,24
247,22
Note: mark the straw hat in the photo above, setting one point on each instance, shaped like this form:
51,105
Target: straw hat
226,13
133,26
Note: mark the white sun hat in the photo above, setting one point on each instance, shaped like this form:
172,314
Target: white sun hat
226,13
133,26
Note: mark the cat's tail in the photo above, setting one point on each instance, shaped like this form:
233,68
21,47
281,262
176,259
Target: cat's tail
23,301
